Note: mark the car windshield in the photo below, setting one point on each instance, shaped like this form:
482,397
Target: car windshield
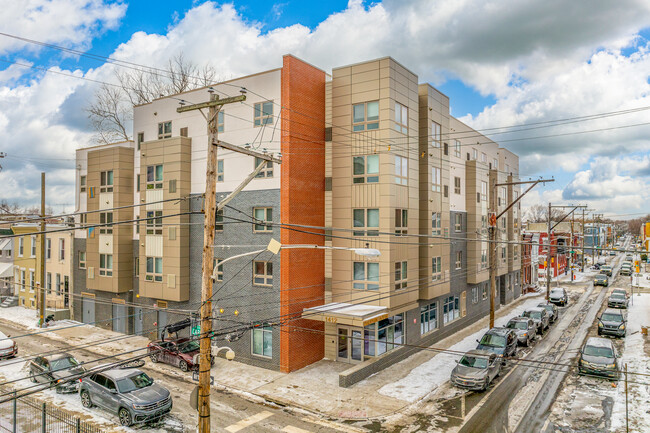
473,361
517,325
605,268
600,277
617,295
190,346
134,382
557,292
533,314
63,363
617,292
604,352
493,340
608,317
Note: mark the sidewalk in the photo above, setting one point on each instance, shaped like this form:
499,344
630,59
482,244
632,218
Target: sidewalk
314,388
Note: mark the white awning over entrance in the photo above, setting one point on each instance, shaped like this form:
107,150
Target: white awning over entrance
346,314
6,270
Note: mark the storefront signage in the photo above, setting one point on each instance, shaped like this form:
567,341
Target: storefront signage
375,319
330,319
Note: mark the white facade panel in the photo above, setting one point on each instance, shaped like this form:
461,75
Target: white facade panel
154,246
154,195
105,200
106,244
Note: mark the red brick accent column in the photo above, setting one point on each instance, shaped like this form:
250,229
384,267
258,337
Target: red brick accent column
303,202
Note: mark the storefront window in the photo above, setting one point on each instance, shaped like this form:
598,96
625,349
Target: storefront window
384,336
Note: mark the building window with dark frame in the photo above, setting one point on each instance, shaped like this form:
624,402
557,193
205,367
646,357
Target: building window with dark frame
384,336
365,222
48,282
220,121
220,170
218,226
458,222
106,181
106,218
82,260
82,183
459,260
33,252
154,222
401,118
484,258
436,133
365,169
155,176
48,248
484,293
264,218
401,170
263,113
428,318
401,221
262,341
164,130
365,116
263,273
457,187
140,139
219,268
457,148
435,179
154,269
474,295
483,191
365,276
401,275
450,309
436,268
106,265
436,224
267,171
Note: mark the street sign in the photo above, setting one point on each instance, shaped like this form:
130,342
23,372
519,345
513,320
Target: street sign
195,330
492,219
195,377
194,398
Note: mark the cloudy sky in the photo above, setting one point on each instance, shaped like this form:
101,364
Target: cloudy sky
570,79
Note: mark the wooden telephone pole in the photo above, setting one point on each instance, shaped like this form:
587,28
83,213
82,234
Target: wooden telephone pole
41,289
205,361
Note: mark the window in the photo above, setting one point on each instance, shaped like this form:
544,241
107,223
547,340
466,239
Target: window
446,190
262,341
450,309
218,226
57,287
61,249
435,223
365,169
456,185
82,183
484,221
458,222
503,194
484,258
435,134
82,260
263,273
457,148
366,276
503,253
48,249
219,267
428,318
154,222
474,154
106,218
31,281
435,179
137,185
21,243
483,191
483,157
263,113
154,269
445,149
106,265
140,139
220,120
106,181
401,221
495,164
401,118
220,170
164,130
365,117
154,176
365,222
459,260
22,280
484,293
48,282
33,246
474,295
267,171
436,268
401,170
400,275
515,252
264,216
384,336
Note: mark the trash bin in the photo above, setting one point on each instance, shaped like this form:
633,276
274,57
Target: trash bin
644,330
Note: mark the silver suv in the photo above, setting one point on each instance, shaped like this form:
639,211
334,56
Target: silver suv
540,316
476,370
128,392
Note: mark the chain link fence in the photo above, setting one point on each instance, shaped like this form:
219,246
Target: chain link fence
30,415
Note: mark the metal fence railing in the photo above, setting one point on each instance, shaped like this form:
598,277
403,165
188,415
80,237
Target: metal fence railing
30,415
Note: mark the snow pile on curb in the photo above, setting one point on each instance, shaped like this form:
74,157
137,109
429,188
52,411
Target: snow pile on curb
436,371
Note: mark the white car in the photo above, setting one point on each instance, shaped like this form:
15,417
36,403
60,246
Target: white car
8,347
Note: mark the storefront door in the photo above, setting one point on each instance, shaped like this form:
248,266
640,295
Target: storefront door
350,345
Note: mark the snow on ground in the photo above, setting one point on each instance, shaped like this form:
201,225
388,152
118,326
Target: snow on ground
21,315
436,371
637,361
579,277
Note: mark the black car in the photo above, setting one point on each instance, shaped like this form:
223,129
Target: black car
56,369
612,322
502,341
558,296
601,280
598,356
551,309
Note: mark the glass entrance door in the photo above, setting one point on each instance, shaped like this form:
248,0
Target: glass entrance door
350,345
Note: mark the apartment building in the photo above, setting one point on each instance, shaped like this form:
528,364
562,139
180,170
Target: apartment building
6,263
371,158
58,267
27,270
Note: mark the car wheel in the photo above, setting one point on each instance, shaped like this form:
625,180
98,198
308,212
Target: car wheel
58,390
85,400
32,378
183,366
154,357
485,385
125,417
527,342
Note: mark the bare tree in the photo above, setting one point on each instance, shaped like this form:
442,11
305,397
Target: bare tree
111,112
538,213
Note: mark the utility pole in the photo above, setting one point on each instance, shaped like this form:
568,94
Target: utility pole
493,217
41,291
571,251
548,255
582,243
205,356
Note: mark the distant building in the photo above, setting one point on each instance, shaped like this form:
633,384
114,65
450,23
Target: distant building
6,263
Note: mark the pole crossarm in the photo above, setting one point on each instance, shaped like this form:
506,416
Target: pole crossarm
209,104
567,215
240,149
534,183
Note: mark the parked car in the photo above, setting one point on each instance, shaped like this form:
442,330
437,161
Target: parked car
558,296
8,347
601,280
612,322
606,269
540,316
625,270
476,370
617,300
598,356
525,328
612,253
551,309
182,353
501,341
596,266
59,370
621,291
129,393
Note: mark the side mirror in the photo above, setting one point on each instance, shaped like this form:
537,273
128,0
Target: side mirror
151,379
113,391
478,341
